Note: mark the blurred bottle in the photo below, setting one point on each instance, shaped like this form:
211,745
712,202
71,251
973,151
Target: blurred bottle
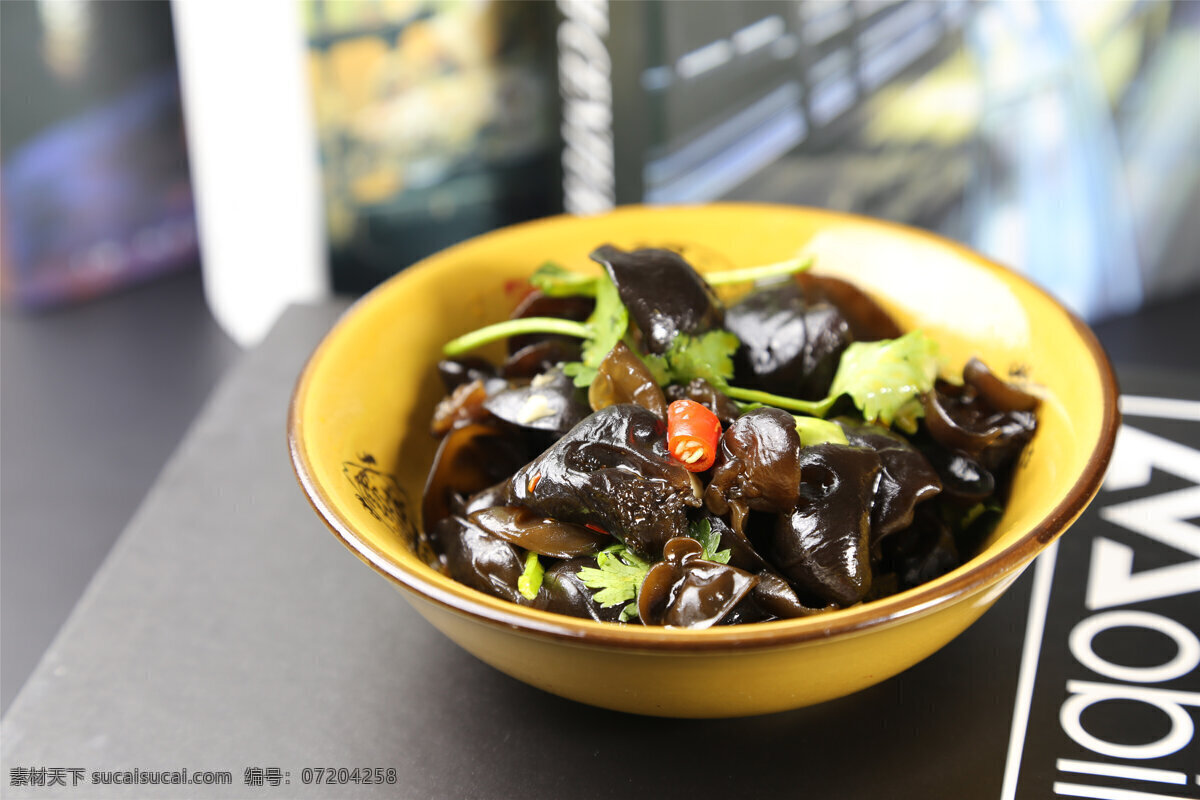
437,121
1050,197
94,187
254,160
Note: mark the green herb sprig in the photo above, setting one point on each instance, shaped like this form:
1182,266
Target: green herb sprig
530,582
710,540
618,575
609,321
885,380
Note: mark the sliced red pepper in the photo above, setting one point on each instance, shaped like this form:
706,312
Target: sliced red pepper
692,434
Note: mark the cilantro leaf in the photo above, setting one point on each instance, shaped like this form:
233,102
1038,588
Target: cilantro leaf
607,326
618,575
608,323
530,582
708,356
582,374
710,540
886,379
658,366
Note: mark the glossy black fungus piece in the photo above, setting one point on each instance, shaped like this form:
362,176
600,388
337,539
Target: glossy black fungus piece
957,422
612,471
1016,431
464,405
664,294
867,319
456,371
707,395
822,545
745,613
551,402
479,559
906,478
757,466
468,460
495,495
964,424
772,598
685,591
542,535
986,418
789,346
564,593
964,480
998,394
922,552
742,552
536,358
775,596
624,378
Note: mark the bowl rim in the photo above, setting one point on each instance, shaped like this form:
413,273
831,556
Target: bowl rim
968,579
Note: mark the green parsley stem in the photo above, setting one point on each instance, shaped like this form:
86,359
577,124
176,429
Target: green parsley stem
749,274
530,582
515,327
568,284
815,408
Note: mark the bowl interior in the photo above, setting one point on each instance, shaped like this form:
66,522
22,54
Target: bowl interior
360,416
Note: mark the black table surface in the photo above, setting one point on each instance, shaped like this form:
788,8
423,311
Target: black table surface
228,631
95,398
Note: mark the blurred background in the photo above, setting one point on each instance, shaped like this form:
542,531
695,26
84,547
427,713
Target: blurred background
1059,138
229,160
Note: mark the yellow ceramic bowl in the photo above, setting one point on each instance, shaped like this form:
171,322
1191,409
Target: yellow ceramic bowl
359,440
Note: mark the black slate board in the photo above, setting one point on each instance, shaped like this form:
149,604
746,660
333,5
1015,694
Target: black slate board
1110,680
229,631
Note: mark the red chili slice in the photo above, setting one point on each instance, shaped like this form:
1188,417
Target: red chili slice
692,434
